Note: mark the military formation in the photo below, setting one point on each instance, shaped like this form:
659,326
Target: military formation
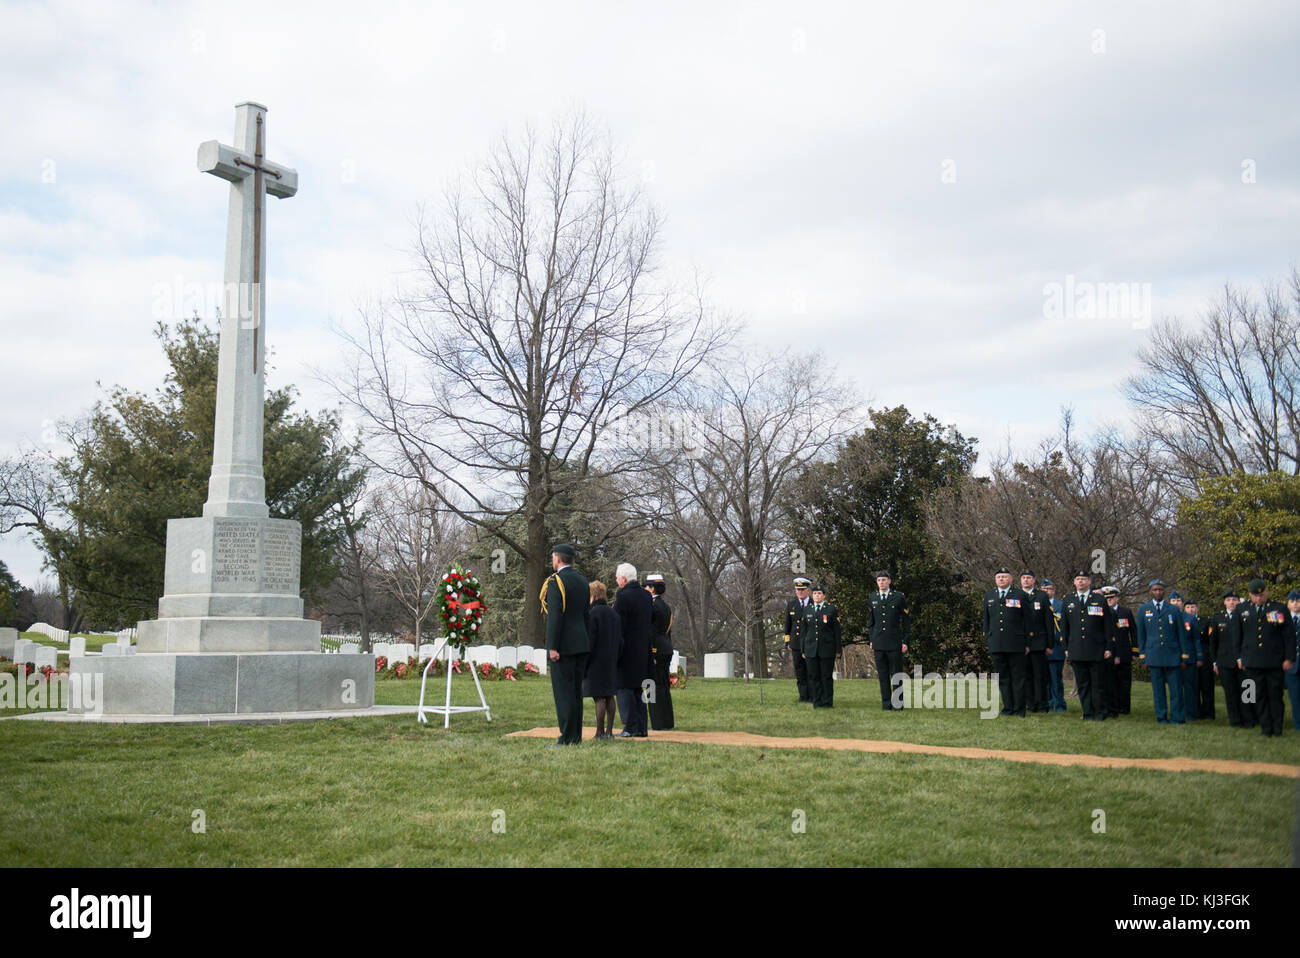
1249,648
623,650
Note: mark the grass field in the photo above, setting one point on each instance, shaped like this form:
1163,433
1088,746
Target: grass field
386,791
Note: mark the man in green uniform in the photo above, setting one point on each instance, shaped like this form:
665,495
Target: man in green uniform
820,637
1040,632
1268,647
889,631
565,599
1222,638
1004,630
1087,630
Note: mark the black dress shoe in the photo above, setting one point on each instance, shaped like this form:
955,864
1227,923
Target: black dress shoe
641,735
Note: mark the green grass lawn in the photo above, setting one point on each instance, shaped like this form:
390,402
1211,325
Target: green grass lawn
386,791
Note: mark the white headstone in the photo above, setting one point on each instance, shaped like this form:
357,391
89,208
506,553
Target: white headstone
349,648
720,665
540,660
46,655
112,648
508,657
77,645
525,654
24,650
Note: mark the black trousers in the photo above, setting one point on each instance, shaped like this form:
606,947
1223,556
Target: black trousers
1036,682
801,675
1090,680
1119,687
1239,715
821,681
1206,685
632,710
1011,680
889,662
566,686
1269,684
661,708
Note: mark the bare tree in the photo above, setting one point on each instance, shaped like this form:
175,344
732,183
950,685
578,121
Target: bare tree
417,540
355,591
1224,397
537,323
757,422
1104,504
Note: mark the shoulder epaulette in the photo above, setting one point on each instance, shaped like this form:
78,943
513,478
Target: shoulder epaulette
563,597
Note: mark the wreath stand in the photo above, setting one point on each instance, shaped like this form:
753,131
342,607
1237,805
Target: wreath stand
446,709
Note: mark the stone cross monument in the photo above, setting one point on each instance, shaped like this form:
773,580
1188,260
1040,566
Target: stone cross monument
230,636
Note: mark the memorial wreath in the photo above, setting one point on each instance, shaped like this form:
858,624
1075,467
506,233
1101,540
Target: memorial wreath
460,606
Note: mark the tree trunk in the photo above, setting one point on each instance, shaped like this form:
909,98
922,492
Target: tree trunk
757,629
365,626
530,628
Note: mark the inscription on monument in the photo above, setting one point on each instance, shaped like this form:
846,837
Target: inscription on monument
281,555
251,556
234,555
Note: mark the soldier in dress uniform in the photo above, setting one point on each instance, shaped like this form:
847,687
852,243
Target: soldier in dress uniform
1040,631
1004,630
565,601
1204,667
1268,647
1055,655
820,639
661,653
1119,678
1163,645
1222,640
889,631
1188,675
1088,634
794,609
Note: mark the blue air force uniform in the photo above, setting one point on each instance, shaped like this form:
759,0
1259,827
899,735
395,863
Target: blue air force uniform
1055,662
1164,644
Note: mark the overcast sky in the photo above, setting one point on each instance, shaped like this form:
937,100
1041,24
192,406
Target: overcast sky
895,185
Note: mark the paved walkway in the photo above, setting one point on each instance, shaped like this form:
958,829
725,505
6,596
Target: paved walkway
749,740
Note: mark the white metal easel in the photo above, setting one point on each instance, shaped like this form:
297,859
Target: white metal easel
446,709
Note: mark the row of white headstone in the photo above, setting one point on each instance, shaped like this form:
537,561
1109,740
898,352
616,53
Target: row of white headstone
63,637
25,650
506,656
50,632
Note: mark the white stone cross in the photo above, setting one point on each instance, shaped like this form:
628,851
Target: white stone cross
237,486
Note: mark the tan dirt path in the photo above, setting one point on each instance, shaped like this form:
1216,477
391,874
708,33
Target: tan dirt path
750,740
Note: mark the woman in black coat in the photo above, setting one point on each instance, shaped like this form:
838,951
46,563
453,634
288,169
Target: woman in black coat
601,679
